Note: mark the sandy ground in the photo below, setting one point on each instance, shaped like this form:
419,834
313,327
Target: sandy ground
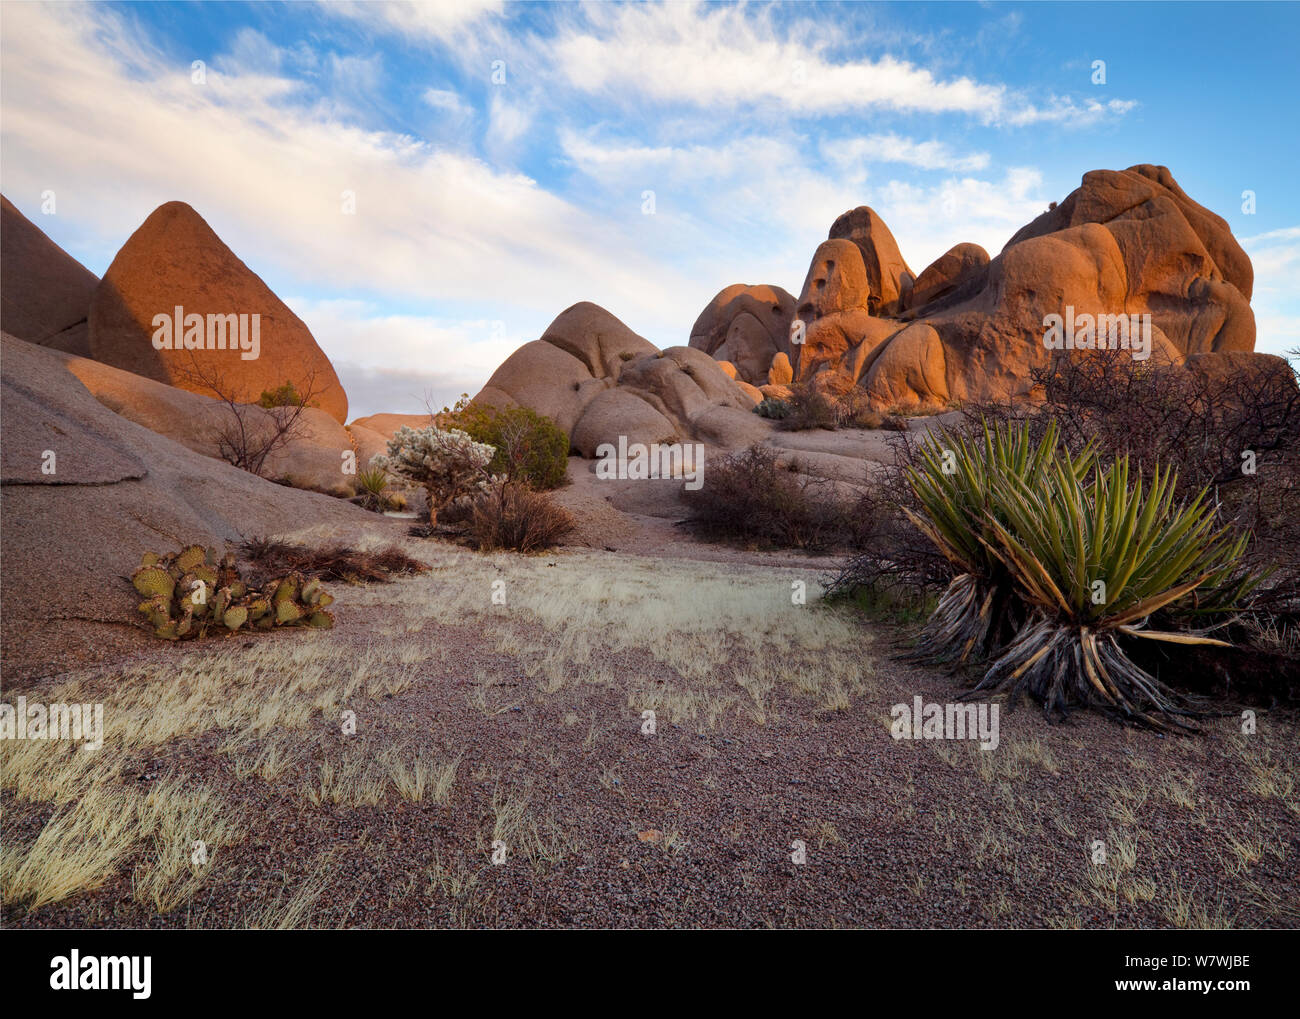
526,720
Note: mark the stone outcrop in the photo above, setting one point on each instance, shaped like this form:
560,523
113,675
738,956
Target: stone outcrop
175,260
599,380
1126,252
45,293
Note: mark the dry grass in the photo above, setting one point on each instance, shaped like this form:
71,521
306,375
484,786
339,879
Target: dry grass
723,638
713,647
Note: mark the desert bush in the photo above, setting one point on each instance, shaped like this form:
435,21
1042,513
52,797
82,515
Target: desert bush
751,497
248,434
512,515
373,493
854,410
772,408
810,408
529,447
449,464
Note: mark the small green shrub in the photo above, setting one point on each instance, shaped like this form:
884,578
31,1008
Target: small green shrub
285,395
772,408
529,447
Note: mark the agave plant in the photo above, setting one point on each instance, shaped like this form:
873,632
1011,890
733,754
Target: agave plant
1094,560
955,485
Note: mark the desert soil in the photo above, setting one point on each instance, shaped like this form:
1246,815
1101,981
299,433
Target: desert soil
515,731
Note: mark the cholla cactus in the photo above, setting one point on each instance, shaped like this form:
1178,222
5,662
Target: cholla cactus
448,464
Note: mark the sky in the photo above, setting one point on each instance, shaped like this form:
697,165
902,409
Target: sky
506,160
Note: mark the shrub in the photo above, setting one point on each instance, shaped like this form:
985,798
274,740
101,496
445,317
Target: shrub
810,408
285,395
373,494
750,497
511,515
448,464
854,410
529,446
247,435
772,408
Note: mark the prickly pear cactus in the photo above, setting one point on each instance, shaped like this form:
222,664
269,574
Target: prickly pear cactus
194,590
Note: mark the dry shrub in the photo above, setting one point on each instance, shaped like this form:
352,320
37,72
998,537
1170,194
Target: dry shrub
893,562
1207,428
808,408
752,498
334,562
510,515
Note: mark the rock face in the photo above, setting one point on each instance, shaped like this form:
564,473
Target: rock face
45,293
888,276
1127,252
598,381
175,260
118,490
946,273
746,326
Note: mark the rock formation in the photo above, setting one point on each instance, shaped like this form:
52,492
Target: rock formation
175,261
746,327
598,380
46,293
1125,243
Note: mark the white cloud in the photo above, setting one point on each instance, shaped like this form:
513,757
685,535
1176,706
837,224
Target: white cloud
439,20
397,363
890,148
507,122
724,58
1275,256
448,102
928,221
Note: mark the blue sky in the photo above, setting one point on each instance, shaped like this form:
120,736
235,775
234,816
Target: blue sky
483,208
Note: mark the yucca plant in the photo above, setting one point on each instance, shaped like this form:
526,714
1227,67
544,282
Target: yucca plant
372,484
954,485
1094,560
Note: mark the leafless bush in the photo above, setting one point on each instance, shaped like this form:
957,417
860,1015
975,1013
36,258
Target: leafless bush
249,434
808,408
752,498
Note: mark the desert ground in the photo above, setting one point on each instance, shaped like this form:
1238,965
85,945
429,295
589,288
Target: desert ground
521,724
